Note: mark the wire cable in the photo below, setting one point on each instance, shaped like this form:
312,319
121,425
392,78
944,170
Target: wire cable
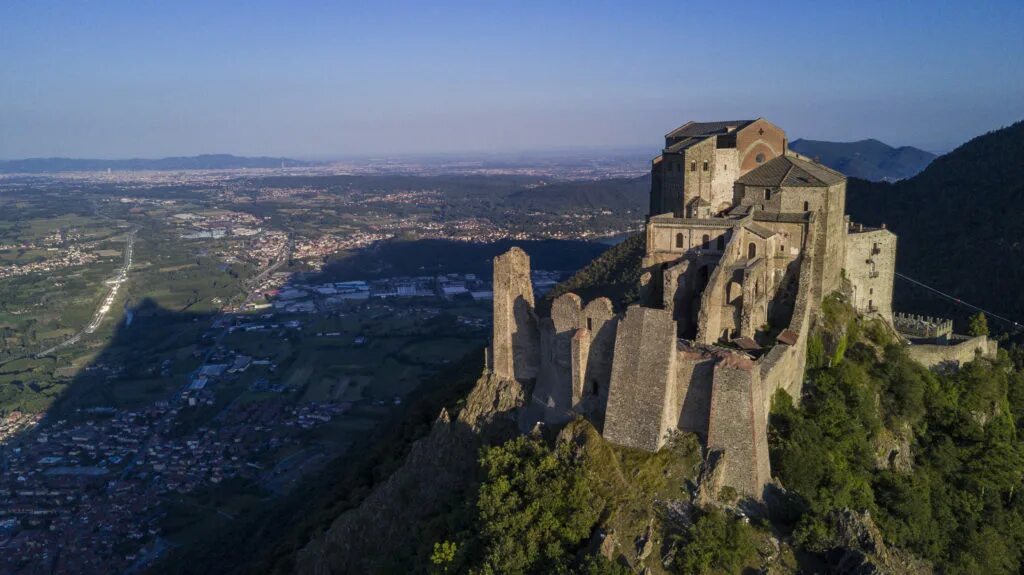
958,300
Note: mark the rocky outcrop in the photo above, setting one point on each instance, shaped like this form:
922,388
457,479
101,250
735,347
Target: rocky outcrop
893,449
860,549
434,474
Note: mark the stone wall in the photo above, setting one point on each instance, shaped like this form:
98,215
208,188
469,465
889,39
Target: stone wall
783,366
694,373
920,326
738,425
600,321
871,270
727,163
834,231
682,236
515,342
960,350
697,181
643,380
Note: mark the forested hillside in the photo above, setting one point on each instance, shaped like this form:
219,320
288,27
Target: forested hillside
934,458
959,225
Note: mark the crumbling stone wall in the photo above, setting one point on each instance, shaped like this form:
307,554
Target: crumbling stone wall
783,366
515,343
600,321
709,318
756,288
643,380
580,356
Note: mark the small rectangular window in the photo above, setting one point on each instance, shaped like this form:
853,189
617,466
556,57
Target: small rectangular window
693,166
705,165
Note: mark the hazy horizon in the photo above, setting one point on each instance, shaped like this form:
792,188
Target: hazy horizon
323,80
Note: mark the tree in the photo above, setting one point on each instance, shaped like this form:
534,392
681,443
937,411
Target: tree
443,555
978,325
716,543
535,508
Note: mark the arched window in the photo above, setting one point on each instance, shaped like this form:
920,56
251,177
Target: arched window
807,206
767,194
679,241
705,243
751,251
721,242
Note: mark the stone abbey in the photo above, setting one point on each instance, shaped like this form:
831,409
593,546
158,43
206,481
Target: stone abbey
744,239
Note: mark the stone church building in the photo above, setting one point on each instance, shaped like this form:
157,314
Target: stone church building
743,241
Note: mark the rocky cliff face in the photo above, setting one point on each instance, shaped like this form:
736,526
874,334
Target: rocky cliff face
438,470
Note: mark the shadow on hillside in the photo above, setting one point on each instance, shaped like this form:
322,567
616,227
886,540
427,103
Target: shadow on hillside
108,469
106,459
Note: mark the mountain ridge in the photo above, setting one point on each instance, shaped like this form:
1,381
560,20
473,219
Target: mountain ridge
956,219
868,159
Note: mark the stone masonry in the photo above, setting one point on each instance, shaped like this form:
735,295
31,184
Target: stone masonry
744,240
515,347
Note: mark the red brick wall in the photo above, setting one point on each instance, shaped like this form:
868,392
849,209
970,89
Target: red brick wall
761,137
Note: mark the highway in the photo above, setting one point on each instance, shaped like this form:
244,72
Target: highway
108,300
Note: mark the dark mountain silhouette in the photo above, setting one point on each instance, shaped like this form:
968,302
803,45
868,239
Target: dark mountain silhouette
201,162
959,225
866,159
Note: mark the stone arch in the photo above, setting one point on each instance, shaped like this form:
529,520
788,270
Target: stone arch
679,240
751,250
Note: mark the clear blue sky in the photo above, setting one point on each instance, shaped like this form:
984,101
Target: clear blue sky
147,78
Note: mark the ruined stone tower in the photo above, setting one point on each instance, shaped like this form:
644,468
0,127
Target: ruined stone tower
514,349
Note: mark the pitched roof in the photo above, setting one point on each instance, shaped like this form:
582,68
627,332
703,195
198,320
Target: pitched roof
759,230
693,129
791,171
683,144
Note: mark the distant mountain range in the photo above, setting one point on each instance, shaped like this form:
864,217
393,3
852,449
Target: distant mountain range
866,159
201,162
